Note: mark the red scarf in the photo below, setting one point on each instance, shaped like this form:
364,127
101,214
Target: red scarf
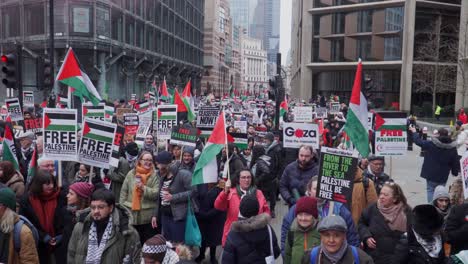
44,206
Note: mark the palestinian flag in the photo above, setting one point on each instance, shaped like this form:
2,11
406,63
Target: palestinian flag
94,130
151,95
70,74
62,102
142,106
356,124
181,107
12,104
283,110
60,121
390,121
165,96
239,139
109,110
9,147
167,112
206,170
188,101
92,111
32,168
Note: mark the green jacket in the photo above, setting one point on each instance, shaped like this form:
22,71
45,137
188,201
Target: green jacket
124,242
293,253
148,202
117,175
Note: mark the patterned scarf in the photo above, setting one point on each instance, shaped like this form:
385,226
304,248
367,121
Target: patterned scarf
433,247
394,216
96,249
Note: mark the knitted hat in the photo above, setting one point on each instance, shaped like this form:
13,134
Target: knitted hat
164,157
8,198
82,189
270,136
132,149
308,205
440,192
189,150
332,222
155,248
249,206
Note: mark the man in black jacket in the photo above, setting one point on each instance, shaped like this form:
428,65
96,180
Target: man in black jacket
273,150
456,228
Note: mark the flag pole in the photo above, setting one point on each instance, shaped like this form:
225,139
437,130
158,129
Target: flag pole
60,176
226,146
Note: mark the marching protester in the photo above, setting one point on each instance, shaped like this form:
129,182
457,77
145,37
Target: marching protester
149,145
84,174
375,172
364,194
117,175
441,201
12,178
456,228
188,160
26,147
263,174
156,251
139,193
234,162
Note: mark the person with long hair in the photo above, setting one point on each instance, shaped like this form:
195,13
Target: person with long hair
44,206
229,200
139,193
12,178
83,174
382,223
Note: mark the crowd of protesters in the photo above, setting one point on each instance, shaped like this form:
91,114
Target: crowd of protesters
137,212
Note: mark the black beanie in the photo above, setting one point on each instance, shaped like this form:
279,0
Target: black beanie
132,149
426,220
249,206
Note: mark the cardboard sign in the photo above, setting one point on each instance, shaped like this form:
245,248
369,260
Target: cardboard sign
118,139
60,134
28,98
94,112
240,140
33,125
144,126
336,175
14,109
464,173
297,134
96,143
184,136
303,114
321,112
242,125
164,119
131,123
390,134
334,108
207,116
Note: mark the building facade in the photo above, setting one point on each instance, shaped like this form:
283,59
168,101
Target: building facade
393,39
254,66
240,11
124,45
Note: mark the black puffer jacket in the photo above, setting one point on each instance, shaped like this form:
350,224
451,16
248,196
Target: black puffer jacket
373,224
274,151
297,178
249,241
264,176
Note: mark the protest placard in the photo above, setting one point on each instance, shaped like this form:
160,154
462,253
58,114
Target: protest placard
144,127
164,119
334,108
96,142
242,125
336,175
60,136
118,139
303,114
109,112
240,140
33,125
184,136
14,109
207,116
131,123
297,134
370,121
321,112
94,112
464,173
28,98
390,134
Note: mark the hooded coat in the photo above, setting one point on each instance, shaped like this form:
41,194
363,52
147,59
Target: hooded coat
16,184
299,240
249,241
124,241
297,178
440,157
441,192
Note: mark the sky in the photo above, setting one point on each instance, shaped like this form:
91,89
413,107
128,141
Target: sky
285,29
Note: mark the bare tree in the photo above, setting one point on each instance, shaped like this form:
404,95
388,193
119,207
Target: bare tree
435,68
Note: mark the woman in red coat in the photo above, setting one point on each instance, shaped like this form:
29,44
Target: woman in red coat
229,199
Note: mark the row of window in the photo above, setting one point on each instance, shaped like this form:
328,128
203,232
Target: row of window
255,53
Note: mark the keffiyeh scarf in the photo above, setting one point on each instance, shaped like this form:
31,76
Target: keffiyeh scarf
95,249
433,247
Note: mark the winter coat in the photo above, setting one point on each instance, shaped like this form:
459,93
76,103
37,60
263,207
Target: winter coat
190,167
28,251
148,200
27,211
24,160
117,175
95,180
124,241
274,151
348,258
16,184
364,194
230,202
409,251
265,179
235,165
373,224
456,228
439,159
210,220
378,181
289,156
298,241
297,178
249,241
181,189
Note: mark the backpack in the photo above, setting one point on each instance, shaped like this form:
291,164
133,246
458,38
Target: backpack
17,232
315,252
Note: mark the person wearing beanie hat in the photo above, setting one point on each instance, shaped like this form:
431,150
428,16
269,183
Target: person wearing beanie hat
333,245
8,230
131,154
303,233
423,242
441,200
188,161
248,206
157,251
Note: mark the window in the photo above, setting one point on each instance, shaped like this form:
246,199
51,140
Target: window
337,50
102,22
117,25
130,30
34,19
222,19
365,21
140,31
338,23
81,20
150,38
394,19
392,48
364,49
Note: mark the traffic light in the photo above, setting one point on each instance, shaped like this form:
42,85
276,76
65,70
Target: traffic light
44,74
9,70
